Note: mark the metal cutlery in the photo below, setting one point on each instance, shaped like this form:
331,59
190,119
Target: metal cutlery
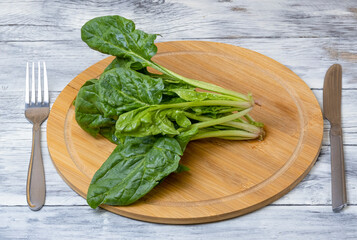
332,111
36,112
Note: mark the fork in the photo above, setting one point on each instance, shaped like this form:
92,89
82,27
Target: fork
36,112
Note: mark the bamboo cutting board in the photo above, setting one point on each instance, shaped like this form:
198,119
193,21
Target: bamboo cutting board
226,178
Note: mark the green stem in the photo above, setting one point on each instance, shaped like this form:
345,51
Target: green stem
229,110
226,133
240,125
202,85
253,122
212,121
241,120
237,104
244,126
236,138
249,118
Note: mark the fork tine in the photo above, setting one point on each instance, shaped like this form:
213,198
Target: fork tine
27,93
33,84
45,84
39,94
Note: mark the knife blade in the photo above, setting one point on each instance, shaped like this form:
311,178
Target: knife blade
332,111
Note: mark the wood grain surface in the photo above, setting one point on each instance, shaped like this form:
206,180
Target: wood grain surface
226,178
306,36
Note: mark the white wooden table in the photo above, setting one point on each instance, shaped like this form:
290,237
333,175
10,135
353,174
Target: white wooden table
307,36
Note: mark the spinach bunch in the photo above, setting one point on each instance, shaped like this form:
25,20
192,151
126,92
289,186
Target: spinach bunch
151,117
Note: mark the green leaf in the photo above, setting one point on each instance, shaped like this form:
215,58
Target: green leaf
122,89
185,136
212,111
99,103
179,117
87,109
119,63
190,94
109,133
117,36
133,169
149,121
182,168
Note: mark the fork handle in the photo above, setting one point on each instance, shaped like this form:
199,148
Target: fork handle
36,187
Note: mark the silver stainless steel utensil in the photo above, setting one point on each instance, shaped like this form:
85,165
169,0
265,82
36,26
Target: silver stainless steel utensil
332,111
36,112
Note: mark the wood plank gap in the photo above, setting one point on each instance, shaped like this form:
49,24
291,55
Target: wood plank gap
304,205
26,25
187,38
35,41
344,89
272,205
255,37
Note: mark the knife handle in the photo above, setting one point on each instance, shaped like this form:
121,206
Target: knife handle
338,182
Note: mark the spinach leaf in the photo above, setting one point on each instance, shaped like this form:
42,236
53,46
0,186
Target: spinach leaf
122,89
151,121
119,63
133,169
99,103
109,133
88,112
151,117
117,36
190,94
125,62
182,168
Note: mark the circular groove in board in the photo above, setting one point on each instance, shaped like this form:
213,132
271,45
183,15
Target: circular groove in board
226,178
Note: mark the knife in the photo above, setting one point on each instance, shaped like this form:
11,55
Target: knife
332,111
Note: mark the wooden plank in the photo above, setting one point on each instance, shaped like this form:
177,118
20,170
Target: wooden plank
273,222
178,19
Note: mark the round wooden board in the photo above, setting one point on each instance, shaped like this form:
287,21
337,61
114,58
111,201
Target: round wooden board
226,178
